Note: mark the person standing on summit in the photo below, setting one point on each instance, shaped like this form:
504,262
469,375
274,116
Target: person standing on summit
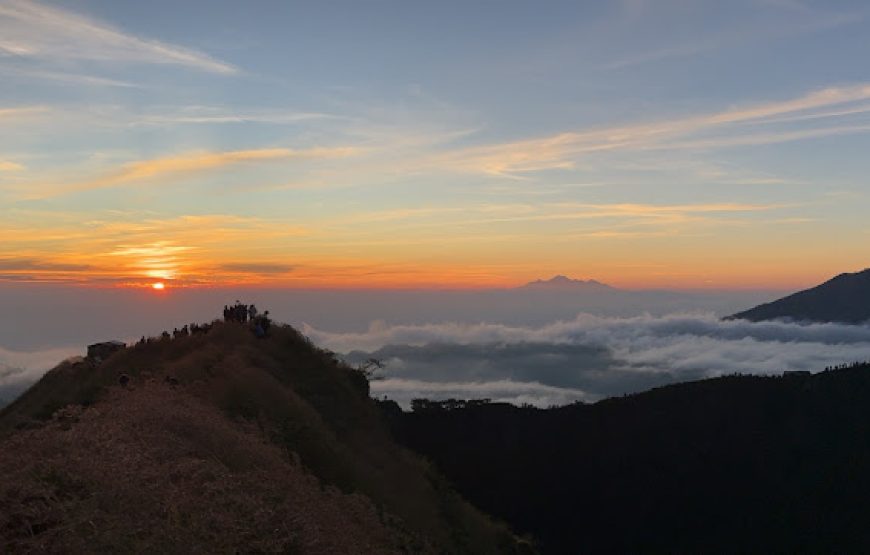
252,312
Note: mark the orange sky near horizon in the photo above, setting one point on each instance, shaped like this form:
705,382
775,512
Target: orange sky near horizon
178,267
585,144
636,246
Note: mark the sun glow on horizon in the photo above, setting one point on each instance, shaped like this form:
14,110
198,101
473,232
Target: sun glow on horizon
663,182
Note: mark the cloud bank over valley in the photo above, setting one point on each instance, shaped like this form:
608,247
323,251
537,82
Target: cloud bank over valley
587,358
523,346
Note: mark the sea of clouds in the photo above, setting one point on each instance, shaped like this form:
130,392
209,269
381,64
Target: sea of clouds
587,358
582,359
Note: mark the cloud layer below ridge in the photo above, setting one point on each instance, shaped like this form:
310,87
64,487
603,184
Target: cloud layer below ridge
589,357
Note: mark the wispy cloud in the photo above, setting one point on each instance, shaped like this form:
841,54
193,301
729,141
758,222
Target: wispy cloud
136,249
836,113
219,115
488,214
7,166
256,268
187,164
766,138
29,265
65,77
514,225
158,260
816,99
33,30
563,150
22,111
195,162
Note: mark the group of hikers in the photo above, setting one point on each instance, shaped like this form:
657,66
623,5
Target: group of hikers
242,314
190,329
238,313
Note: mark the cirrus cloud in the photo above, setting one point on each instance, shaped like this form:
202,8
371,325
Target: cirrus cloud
169,167
33,30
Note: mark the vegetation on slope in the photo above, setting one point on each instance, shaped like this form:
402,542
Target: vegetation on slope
228,425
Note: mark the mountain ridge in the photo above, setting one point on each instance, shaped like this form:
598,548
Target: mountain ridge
844,298
221,441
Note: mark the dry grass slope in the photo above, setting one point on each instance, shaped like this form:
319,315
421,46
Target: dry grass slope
157,470
263,445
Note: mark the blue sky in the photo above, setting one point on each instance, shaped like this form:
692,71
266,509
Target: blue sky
669,144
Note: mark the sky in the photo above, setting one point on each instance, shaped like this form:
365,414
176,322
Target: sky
387,144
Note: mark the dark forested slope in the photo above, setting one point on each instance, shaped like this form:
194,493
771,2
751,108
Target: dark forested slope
734,464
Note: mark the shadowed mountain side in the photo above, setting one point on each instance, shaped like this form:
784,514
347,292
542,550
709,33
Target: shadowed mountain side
221,442
845,298
733,464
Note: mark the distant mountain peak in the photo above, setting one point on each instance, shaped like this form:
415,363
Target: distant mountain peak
564,282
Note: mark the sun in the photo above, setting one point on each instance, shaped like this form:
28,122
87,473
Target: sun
159,286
